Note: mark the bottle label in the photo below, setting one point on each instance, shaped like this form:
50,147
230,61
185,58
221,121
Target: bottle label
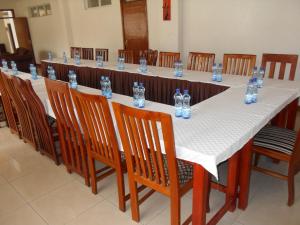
178,111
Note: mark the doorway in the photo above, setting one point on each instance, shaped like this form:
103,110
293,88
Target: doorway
135,26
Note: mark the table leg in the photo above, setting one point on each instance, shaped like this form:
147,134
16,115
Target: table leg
232,180
292,113
200,191
244,175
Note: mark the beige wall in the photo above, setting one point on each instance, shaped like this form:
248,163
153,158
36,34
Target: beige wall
242,26
231,26
3,36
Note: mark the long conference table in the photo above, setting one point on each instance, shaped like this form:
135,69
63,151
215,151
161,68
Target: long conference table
221,128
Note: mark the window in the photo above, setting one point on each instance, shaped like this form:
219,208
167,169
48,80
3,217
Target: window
96,3
40,10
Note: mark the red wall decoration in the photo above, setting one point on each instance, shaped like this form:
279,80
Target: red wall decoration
167,10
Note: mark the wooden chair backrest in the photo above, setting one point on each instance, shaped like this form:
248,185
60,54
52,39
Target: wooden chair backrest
201,61
127,54
39,118
167,59
70,135
98,128
87,53
8,108
150,55
283,60
103,52
238,64
143,150
75,50
27,129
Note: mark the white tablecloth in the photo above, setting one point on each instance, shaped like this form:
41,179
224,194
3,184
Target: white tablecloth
220,125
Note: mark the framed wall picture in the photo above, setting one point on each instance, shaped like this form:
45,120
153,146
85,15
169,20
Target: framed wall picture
42,10
166,9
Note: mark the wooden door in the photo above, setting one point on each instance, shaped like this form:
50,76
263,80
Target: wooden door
135,26
23,34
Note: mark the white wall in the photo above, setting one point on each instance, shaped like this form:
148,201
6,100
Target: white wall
3,36
242,26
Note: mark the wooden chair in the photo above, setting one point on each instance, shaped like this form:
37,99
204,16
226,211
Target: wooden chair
238,64
26,126
87,53
283,145
44,126
127,54
201,61
283,60
11,117
167,59
103,52
146,163
101,141
75,50
73,148
150,55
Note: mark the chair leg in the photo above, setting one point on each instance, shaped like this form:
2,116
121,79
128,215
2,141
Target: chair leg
291,189
175,209
93,175
256,159
208,193
121,190
135,211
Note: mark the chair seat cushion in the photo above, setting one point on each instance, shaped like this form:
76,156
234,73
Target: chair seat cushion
185,170
276,138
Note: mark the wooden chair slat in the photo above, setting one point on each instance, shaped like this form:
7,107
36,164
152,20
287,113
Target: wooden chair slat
102,52
167,59
235,64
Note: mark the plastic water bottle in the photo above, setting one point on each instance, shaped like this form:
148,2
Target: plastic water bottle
143,65
34,73
178,103
219,73
4,65
214,72
50,57
121,63
51,73
108,88
135,90
254,90
141,96
249,91
77,59
254,72
103,86
14,68
72,79
186,107
260,77
178,68
65,58
99,61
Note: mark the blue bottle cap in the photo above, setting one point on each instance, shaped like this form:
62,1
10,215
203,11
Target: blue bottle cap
186,91
177,90
141,84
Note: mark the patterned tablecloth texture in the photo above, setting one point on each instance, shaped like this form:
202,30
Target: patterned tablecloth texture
220,125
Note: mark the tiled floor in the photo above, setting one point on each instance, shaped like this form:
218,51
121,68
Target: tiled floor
34,191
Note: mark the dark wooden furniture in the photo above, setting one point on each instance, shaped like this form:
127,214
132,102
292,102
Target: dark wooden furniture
2,49
127,55
283,60
87,53
102,52
27,130
11,117
150,55
101,141
279,144
43,126
146,163
201,61
71,140
167,59
22,57
75,50
238,64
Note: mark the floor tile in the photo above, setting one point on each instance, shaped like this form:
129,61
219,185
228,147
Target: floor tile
41,181
103,213
9,199
2,180
65,203
23,216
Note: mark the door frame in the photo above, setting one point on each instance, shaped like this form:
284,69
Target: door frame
122,17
